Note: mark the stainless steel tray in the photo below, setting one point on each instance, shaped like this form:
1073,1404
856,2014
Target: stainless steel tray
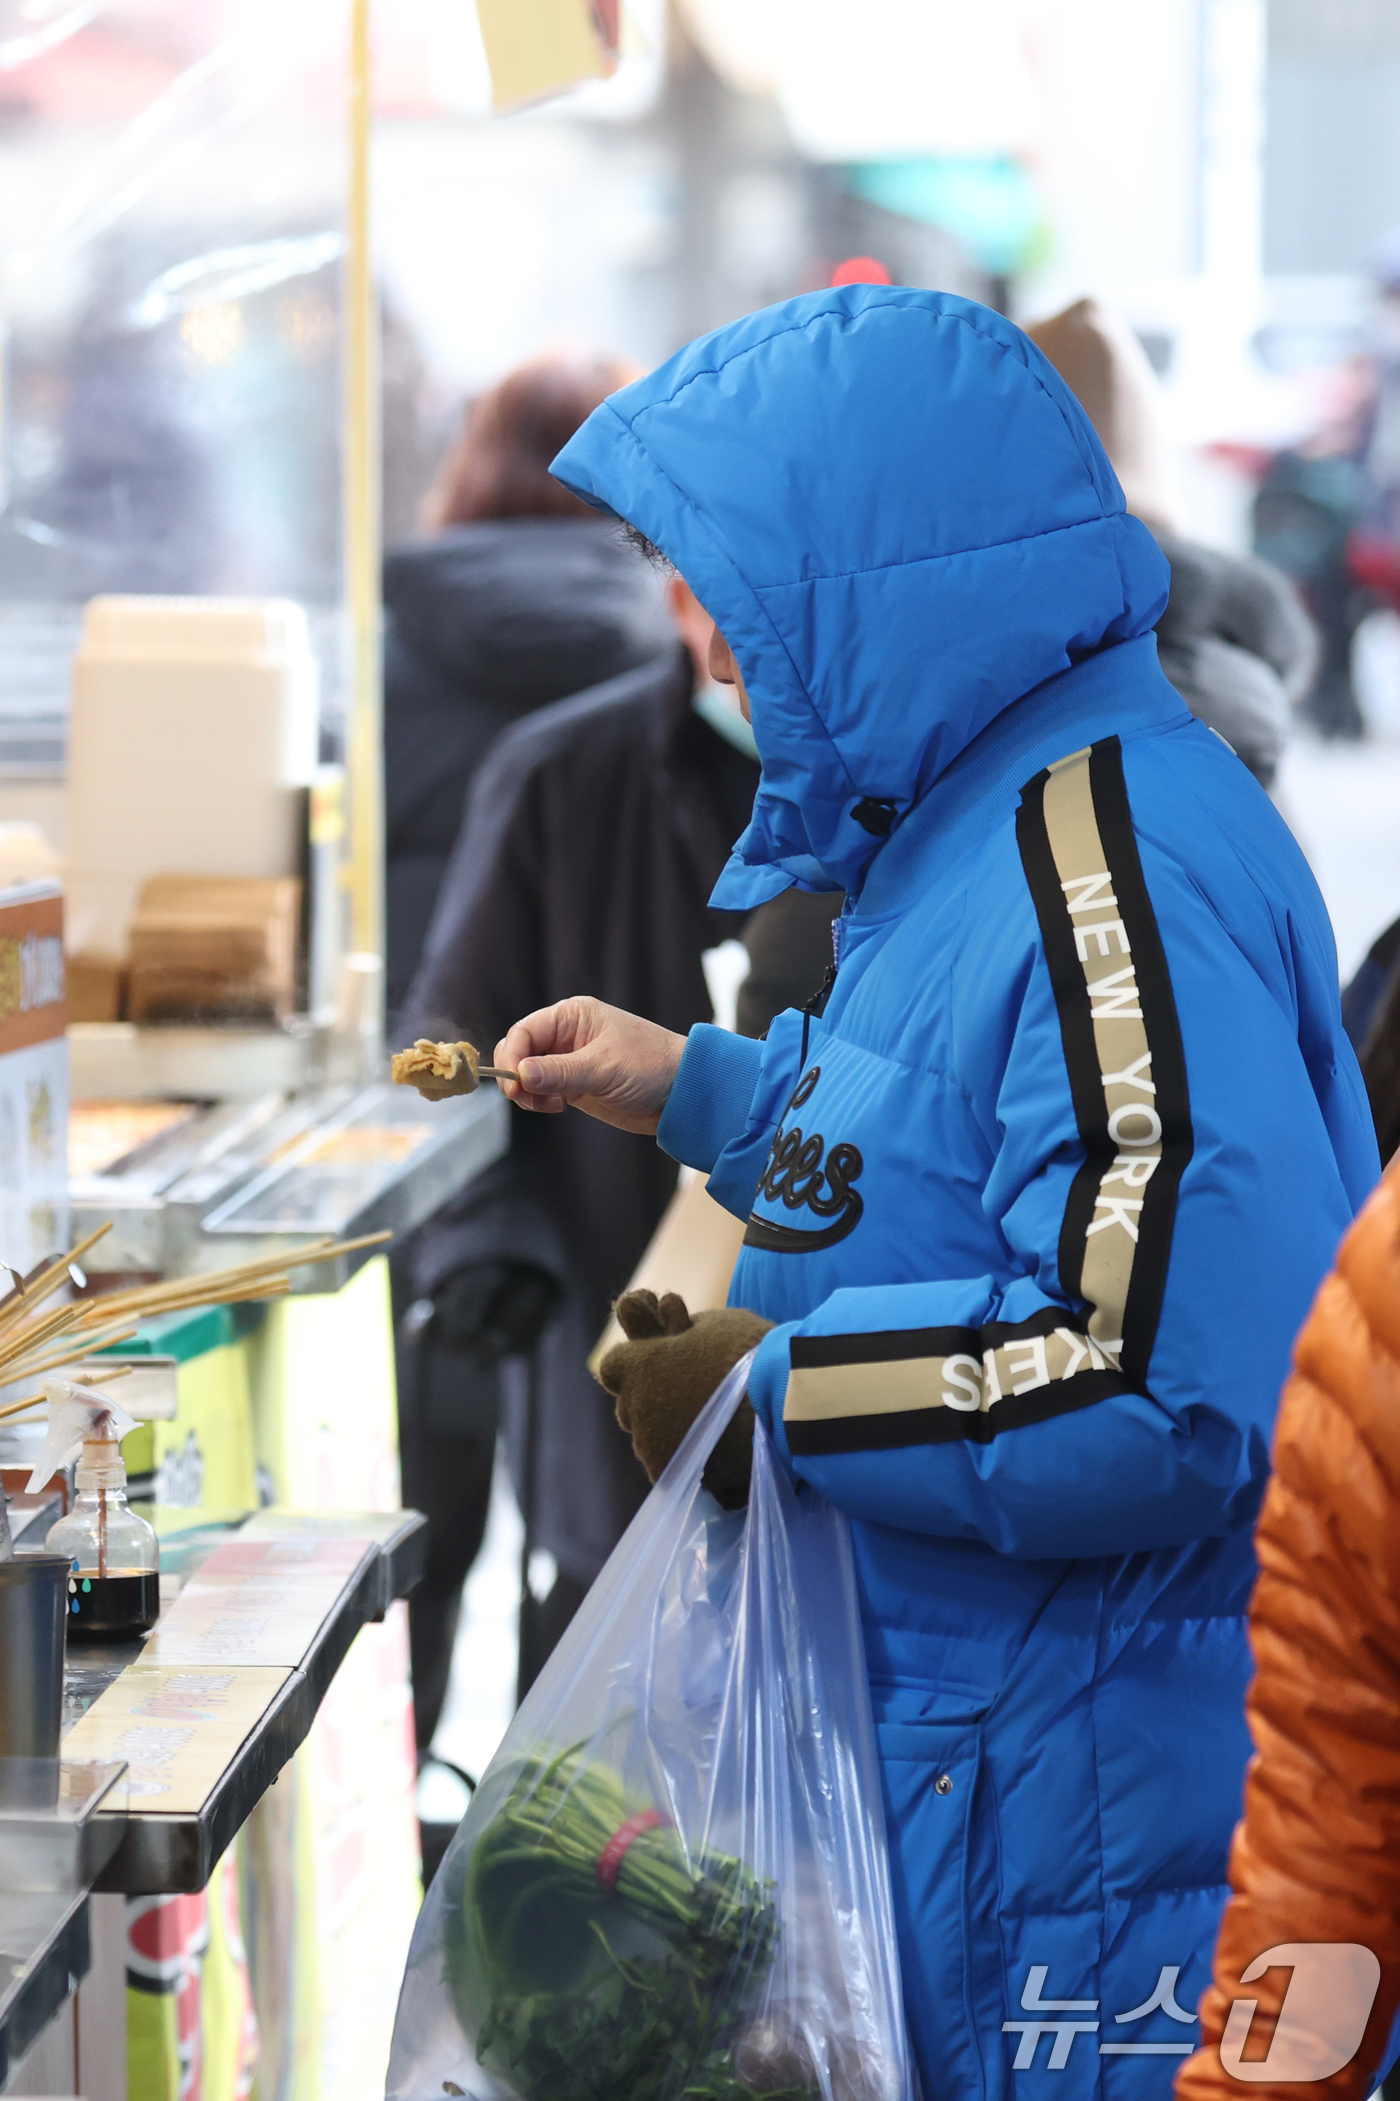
245,1179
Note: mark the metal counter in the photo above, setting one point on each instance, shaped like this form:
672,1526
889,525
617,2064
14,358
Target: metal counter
43,1960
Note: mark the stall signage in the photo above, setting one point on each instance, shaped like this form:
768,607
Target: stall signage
258,1602
33,984
179,1730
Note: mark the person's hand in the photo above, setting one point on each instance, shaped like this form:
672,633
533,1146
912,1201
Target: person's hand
662,1376
600,1059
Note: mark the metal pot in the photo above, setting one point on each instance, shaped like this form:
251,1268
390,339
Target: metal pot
33,1612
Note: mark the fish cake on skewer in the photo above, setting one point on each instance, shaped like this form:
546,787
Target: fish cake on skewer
440,1069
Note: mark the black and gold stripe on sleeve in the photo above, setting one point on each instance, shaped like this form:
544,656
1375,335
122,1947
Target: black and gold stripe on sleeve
1127,1076
860,1393
1122,1045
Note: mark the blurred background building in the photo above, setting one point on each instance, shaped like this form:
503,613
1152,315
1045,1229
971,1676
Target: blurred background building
1225,172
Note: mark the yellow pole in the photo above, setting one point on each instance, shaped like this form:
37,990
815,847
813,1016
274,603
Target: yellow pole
362,551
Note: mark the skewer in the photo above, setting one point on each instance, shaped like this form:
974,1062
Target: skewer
124,1304
246,1272
318,1251
33,1369
48,1280
26,1337
40,1323
330,1250
23,1331
264,1278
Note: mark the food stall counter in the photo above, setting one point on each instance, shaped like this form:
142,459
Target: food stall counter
210,1707
199,1722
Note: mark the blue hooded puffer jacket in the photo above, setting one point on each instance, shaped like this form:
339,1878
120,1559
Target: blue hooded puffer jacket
1040,1195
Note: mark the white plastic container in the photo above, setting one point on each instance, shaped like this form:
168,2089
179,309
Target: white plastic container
192,741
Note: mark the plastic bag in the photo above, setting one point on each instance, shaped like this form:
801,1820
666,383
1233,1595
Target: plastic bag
673,1881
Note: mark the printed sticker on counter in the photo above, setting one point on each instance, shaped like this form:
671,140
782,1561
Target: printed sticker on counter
178,1730
258,1602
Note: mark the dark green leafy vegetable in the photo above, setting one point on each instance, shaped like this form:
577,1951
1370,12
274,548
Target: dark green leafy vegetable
571,1990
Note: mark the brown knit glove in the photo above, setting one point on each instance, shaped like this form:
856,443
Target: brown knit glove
662,1376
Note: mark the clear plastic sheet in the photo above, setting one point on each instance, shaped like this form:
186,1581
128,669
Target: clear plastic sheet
673,1878
173,228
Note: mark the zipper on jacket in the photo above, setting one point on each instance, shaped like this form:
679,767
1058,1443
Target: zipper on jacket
813,1009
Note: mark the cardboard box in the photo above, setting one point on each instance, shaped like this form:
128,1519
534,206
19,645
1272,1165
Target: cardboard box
96,989
211,948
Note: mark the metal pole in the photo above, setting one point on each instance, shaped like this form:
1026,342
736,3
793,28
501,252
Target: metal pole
528,1659
362,519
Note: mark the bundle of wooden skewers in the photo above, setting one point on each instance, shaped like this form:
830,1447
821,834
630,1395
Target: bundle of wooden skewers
34,1344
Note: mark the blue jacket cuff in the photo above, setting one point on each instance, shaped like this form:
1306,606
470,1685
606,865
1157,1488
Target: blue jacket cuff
709,1102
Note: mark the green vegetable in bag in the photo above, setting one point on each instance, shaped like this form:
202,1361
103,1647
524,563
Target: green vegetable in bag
590,1957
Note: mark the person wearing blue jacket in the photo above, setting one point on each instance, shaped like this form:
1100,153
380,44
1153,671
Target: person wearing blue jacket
1039,1190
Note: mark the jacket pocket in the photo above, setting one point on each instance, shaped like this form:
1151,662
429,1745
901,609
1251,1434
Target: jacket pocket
941,1847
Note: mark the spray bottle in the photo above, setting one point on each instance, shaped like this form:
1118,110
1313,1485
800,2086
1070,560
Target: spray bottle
114,1586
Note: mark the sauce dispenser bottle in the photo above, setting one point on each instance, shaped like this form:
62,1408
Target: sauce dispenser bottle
114,1555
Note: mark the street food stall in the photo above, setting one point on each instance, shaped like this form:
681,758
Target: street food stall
222,1873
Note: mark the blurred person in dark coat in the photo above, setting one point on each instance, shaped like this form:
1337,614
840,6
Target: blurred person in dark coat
1328,510
1312,498
594,835
518,597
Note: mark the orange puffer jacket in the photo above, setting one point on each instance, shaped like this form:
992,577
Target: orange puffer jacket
1317,1857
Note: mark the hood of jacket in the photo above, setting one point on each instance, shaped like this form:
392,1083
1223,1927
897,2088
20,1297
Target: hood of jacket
902,521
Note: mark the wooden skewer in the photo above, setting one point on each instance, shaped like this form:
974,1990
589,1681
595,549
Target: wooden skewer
13,1408
182,1296
332,1248
38,1323
26,1337
78,1351
118,1371
21,1328
318,1251
34,1368
217,1284
264,1278
194,1301
48,1280
222,1295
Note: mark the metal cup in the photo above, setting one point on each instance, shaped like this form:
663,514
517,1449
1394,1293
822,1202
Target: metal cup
33,1615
